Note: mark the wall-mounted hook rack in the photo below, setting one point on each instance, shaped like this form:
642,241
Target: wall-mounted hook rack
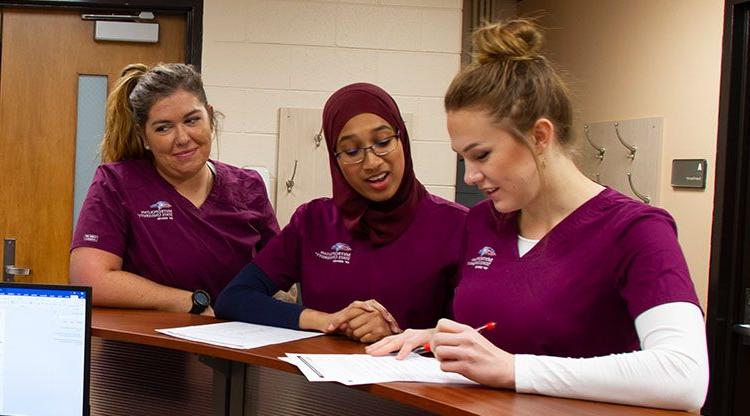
599,149
318,138
622,139
628,146
645,198
290,182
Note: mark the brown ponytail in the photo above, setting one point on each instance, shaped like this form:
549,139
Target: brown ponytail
512,81
121,137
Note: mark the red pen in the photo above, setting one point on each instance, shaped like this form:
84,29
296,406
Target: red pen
426,347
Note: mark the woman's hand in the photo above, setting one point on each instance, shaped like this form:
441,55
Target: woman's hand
289,296
209,312
367,327
461,349
364,321
404,343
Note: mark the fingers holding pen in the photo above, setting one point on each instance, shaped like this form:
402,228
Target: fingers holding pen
462,349
448,326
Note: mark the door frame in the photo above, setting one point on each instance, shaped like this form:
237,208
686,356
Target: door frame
192,8
731,206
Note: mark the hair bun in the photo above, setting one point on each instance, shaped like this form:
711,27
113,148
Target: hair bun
134,70
514,40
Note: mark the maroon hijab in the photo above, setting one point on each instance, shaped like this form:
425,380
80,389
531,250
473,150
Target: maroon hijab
379,222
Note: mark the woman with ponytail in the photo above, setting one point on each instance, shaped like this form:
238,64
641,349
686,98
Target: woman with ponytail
163,227
380,255
589,289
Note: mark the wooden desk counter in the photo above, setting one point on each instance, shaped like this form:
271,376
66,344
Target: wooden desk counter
137,326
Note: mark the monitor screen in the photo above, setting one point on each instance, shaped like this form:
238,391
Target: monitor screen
44,349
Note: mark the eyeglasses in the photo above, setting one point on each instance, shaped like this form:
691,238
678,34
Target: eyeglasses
380,148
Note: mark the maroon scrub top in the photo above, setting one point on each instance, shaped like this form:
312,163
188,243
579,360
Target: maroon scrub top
579,290
132,212
412,276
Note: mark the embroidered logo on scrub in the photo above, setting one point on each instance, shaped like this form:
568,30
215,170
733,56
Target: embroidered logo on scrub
340,253
484,260
161,210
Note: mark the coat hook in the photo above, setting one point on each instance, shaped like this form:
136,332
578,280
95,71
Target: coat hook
642,197
630,147
290,182
600,150
318,138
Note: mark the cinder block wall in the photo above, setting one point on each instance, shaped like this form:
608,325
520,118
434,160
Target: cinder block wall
260,55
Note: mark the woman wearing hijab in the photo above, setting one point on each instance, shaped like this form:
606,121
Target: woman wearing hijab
380,255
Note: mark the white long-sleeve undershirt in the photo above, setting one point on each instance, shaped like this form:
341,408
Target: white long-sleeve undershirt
670,371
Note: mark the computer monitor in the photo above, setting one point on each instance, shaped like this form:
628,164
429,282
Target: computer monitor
45,349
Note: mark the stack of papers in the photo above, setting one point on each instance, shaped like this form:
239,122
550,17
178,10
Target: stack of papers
238,335
353,369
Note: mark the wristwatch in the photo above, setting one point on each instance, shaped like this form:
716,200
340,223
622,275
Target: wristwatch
201,301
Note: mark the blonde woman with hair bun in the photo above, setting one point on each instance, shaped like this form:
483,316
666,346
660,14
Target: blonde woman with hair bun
163,226
589,289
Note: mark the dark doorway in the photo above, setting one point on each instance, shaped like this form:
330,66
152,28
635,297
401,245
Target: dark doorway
729,279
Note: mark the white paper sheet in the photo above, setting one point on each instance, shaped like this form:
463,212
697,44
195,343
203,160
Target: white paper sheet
238,335
353,369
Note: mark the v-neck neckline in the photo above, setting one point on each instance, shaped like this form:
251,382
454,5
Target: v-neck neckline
185,202
553,234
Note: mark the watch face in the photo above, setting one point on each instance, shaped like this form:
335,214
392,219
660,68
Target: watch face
201,298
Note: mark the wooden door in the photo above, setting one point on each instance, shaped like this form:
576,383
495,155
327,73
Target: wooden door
43,54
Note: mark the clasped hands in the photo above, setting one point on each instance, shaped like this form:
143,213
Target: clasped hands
363,321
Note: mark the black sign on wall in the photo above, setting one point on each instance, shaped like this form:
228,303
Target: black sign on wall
689,173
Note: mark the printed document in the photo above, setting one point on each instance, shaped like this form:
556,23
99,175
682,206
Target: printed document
238,335
352,369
